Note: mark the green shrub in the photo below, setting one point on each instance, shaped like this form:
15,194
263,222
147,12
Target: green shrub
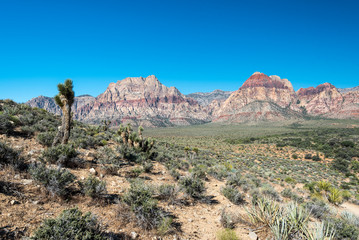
46,138
192,186
56,181
143,205
316,158
11,157
167,192
294,156
6,124
289,180
318,208
308,156
71,224
64,155
344,229
93,187
227,234
228,220
233,195
147,166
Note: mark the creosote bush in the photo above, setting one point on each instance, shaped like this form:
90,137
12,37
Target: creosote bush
192,186
140,199
93,187
64,155
11,157
70,224
233,195
56,181
46,138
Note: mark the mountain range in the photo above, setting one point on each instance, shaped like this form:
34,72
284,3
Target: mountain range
147,102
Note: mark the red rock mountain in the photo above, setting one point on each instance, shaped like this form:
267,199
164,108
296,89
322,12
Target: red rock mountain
261,97
147,102
137,100
327,101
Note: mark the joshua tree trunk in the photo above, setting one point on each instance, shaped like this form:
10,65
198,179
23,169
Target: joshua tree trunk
67,122
64,99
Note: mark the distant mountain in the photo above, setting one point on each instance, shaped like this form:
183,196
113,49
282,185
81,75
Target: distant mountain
205,98
49,104
140,101
147,102
260,98
345,90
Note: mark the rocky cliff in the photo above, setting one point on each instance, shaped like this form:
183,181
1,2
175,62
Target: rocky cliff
206,98
140,101
327,101
261,97
147,102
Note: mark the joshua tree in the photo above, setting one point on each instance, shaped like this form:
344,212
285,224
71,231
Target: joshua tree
64,99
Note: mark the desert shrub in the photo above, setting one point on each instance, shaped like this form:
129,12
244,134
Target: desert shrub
56,181
235,179
341,164
46,138
167,192
289,194
165,226
226,234
290,180
233,195
346,195
147,166
70,224
6,124
270,192
192,186
316,158
294,156
11,157
64,155
218,171
228,220
319,209
175,174
143,205
348,143
93,187
109,160
198,171
308,156
344,229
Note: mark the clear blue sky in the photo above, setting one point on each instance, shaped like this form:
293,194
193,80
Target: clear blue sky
191,44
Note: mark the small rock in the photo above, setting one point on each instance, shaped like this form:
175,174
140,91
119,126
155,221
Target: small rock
102,176
253,235
27,181
134,235
93,171
13,202
190,220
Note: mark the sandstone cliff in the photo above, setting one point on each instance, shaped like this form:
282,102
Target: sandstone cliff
261,97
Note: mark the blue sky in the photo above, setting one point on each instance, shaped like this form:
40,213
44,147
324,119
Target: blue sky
192,45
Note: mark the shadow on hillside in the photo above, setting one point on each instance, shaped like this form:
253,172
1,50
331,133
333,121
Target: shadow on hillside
12,233
11,189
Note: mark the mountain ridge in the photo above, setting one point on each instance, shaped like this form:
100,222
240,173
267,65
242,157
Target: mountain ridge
146,101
